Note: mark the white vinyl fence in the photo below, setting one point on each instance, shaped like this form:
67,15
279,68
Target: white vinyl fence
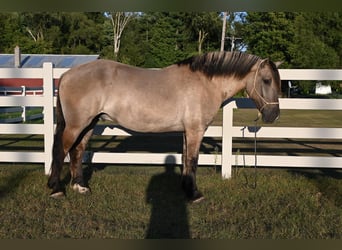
227,132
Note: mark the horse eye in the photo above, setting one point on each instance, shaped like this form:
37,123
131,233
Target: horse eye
267,81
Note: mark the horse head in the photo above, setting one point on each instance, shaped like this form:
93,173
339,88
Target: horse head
264,88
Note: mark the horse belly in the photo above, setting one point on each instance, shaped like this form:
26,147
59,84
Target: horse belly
143,118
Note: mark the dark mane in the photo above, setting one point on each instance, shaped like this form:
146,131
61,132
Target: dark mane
221,63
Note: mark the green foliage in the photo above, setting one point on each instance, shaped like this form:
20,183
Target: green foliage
301,40
167,37
153,39
311,48
42,33
157,39
165,40
269,34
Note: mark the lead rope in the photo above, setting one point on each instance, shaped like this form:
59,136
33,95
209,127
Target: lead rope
255,152
265,103
254,185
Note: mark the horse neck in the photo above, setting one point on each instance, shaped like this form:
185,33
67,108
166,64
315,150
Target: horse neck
229,85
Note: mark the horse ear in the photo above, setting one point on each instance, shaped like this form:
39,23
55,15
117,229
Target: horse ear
278,63
264,62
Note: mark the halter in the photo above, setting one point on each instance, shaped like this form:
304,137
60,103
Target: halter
256,91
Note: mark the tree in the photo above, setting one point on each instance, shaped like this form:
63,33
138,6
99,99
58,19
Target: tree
119,21
269,34
301,40
319,35
204,25
136,33
9,32
35,29
317,45
82,33
167,38
309,51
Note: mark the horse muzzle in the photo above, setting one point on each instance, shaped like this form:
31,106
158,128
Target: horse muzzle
270,114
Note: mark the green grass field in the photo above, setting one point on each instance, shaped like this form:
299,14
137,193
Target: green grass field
136,202
147,202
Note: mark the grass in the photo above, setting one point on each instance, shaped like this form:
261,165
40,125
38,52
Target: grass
130,202
141,202
292,118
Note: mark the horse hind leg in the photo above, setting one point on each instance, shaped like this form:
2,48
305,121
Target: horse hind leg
57,163
64,141
76,155
76,170
58,154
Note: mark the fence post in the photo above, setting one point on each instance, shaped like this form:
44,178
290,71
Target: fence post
227,140
48,114
23,113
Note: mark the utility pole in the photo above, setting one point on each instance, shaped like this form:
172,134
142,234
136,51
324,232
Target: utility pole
224,24
232,42
223,36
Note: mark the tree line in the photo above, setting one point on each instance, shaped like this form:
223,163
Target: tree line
157,39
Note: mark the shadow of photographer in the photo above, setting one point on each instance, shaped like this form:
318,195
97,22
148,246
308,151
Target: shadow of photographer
169,215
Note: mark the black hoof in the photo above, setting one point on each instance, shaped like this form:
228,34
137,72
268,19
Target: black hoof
190,189
57,190
196,198
57,194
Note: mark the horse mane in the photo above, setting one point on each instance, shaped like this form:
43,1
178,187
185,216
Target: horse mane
221,63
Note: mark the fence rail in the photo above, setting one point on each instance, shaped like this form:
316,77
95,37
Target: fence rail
227,131
20,113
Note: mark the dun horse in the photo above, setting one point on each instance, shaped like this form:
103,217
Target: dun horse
182,97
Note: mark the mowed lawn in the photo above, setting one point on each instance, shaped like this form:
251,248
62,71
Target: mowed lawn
136,202
146,202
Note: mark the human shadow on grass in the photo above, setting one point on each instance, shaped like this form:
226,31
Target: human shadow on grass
169,215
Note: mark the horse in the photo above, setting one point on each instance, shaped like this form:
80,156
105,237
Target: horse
183,97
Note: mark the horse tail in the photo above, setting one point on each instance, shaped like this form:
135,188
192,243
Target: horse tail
60,117
57,150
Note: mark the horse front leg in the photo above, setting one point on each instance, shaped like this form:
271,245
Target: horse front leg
192,141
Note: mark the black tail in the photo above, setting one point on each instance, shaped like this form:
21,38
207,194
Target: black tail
57,151
60,117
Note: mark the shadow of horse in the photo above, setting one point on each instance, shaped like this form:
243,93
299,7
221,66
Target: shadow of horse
169,215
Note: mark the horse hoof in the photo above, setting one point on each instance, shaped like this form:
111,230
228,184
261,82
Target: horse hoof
198,200
78,188
57,195
197,197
